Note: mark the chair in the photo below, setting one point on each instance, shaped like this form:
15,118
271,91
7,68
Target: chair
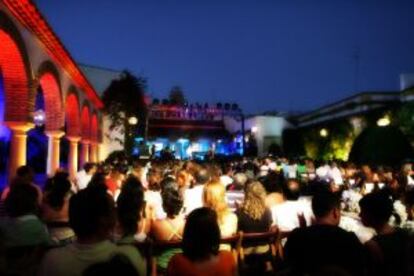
271,238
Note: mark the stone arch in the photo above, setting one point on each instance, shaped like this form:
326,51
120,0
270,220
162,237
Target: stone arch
49,81
16,72
72,113
85,122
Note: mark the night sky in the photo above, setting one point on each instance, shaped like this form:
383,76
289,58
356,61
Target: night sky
266,55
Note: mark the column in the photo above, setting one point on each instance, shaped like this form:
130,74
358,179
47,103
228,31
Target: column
53,150
18,145
100,152
73,155
84,158
93,154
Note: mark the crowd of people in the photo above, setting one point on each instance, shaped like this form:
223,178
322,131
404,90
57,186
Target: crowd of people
335,218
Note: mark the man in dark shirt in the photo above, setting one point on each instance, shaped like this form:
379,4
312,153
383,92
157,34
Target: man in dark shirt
324,246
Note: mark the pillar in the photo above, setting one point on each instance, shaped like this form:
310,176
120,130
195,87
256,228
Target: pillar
93,154
100,152
53,151
84,158
73,155
18,145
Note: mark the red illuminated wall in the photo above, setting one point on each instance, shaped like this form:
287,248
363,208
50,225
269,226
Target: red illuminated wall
16,84
72,115
94,128
85,122
53,102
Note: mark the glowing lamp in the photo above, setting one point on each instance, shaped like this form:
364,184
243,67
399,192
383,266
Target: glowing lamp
39,117
324,132
384,121
133,120
254,129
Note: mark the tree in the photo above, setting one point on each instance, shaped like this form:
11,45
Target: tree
125,99
176,96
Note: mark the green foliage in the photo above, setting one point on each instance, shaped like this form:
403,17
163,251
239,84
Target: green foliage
125,98
176,96
404,117
381,146
336,145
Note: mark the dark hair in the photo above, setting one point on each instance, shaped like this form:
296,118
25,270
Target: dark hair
98,179
172,202
201,234
378,207
289,193
22,199
202,176
25,172
129,205
117,265
92,212
58,187
324,202
88,166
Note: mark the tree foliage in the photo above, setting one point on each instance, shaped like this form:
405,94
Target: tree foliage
123,99
176,96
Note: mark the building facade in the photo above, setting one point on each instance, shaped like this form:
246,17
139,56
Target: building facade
43,90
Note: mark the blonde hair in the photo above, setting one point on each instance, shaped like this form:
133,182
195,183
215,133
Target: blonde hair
214,197
254,202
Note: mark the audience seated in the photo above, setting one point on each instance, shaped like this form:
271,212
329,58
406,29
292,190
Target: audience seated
26,175
153,195
201,241
55,208
235,191
287,215
92,217
309,250
83,177
193,197
388,249
22,227
214,197
255,217
170,228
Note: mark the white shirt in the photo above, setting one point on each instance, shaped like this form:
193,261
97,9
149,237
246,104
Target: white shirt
285,215
336,175
226,180
193,198
154,201
82,179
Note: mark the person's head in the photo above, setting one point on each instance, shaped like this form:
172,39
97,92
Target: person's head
183,178
117,265
154,179
291,189
130,203
254,202
376,209
214,197
239,181
22,199
326,208
89,168
202,176
201,238
98,179
59,189
92,214
25,173
172,202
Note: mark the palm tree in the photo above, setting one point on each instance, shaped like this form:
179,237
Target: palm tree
125,99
